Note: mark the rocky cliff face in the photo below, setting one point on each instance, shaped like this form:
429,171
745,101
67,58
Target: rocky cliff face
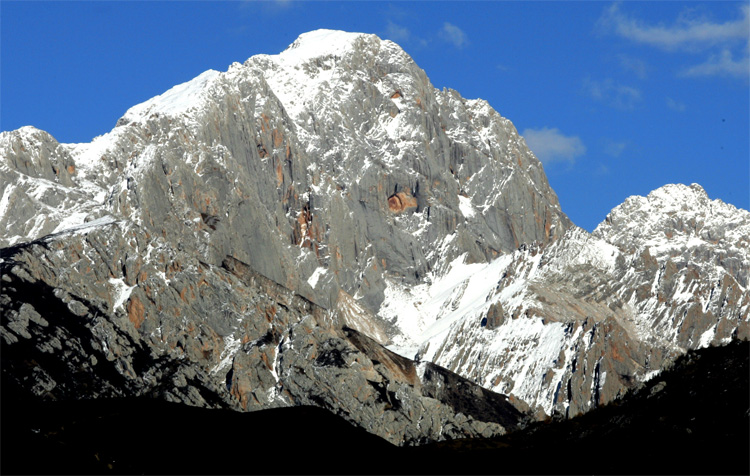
171,255
330,167
212,336
570,325
250,238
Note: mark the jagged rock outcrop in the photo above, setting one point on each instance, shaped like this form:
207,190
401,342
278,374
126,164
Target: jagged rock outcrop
212,336
573,324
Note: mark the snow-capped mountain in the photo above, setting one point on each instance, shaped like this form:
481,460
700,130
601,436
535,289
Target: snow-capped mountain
349,163
570,325
250,238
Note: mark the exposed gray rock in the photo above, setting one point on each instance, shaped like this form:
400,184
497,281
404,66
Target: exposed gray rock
575,323
204,335
289,188
248,240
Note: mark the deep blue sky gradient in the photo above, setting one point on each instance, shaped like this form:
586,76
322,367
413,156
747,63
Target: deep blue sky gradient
73,68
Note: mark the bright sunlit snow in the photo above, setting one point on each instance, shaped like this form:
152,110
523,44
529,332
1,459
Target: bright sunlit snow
176,100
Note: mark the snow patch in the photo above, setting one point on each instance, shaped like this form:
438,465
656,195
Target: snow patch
313,279
707,337
86,227
121,292
176,100
5,200
231,346
318,43
464,204
428,311
75,220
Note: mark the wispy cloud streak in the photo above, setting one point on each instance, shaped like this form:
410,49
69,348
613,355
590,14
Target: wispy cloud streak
728,42
551,145
685,33
612,93
454,35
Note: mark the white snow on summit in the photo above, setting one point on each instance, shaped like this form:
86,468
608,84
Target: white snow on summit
675,217
176,100
297,85
318,43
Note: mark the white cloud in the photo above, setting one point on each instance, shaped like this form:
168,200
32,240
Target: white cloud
675,105
721,64
403,35
397,33
728,42
453,34
550,145
685,33
613,94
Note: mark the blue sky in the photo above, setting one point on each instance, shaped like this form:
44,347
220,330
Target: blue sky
616,99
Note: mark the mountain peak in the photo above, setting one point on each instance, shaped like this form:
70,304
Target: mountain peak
668,200
188,95
678,194
672,216
234,239
174,101
25,131
321,43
